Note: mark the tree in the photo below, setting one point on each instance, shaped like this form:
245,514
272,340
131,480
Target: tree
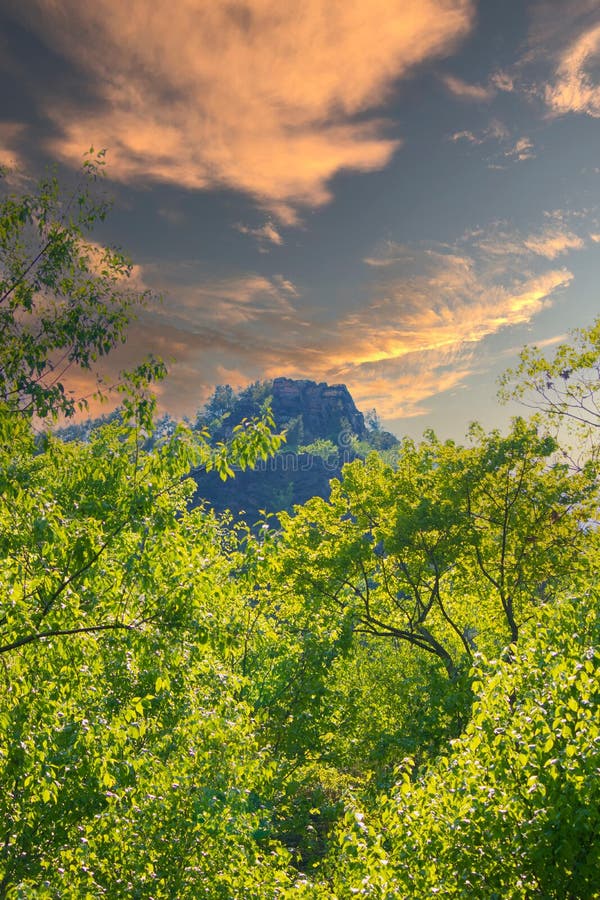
449,552
220,404
512,808
64,301
122,735
565,388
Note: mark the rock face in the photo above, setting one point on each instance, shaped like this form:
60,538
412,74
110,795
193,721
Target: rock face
327,411
308,411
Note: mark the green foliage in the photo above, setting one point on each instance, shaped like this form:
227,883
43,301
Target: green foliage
513,809
119,620
221,403
447,552
565,388
325,450
129,763
64,301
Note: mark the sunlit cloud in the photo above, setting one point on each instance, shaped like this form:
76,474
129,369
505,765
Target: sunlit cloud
419,334
523,149
495,131
415,336
402,388
468,136
264,235
575,88
550,242
10,157
266,98
503,81
541,345
454,301
466,91
554,242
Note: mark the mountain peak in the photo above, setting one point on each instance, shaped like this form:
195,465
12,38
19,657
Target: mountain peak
326,410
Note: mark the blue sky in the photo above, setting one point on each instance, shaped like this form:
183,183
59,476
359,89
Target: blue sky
393,194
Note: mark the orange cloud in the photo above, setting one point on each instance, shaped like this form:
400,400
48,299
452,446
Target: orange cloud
10,132
254,95
415,336
466,91
454,303
402,390
264,234
522,150
575,89
551,242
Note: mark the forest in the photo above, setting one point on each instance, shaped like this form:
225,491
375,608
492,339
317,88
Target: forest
389,693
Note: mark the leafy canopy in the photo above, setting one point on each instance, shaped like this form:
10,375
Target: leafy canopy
65,301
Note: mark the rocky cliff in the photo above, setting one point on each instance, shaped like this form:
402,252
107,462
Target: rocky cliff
326,411
310,412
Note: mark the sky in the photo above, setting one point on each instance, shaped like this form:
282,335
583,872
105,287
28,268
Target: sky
396,195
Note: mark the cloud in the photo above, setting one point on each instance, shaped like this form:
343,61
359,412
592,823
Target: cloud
424,315
495,131
469,136
249,300
574,88
264,235
402,388
465,91
414,337
550,242
389,254
266,98
286,285
554,242
503,81
451,302
523,149
10,134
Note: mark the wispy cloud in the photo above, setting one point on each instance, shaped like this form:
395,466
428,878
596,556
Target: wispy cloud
262,97
468,136
467,91
246,301
523,149
417,333
554,242
389,253
575,88
550,242
507,148
264,234
495,131
502,81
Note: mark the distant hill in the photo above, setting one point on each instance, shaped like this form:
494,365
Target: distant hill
324,431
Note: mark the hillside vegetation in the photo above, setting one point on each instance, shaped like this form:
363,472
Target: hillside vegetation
392,692
321,427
